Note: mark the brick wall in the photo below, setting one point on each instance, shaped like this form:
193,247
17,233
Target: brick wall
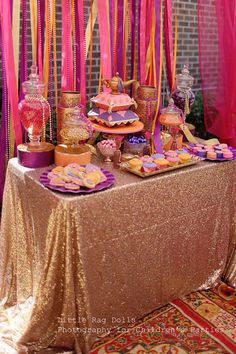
187,43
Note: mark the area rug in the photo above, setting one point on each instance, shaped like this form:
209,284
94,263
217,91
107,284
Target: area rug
201,322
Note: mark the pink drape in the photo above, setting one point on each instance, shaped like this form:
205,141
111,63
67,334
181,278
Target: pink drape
217,54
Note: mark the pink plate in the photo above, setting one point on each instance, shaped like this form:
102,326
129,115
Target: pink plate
104,185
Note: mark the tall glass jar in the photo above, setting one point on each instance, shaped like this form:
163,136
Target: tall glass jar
34,109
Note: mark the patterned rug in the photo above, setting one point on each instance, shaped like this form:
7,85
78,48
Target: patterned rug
201,322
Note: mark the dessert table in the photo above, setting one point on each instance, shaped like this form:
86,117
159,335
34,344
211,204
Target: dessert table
97,261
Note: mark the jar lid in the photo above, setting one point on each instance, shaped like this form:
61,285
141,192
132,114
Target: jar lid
171,108
78,119
184,80
34,85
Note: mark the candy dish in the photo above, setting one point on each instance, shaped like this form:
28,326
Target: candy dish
76,188
135,145
107,149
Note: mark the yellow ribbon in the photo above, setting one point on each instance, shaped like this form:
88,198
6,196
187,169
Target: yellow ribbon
192,139
88,28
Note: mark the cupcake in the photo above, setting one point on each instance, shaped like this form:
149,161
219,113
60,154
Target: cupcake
201,152
173,161
135,163
171,153
227,155
149,167
223,146
211,155
219,154
161,163
146,158
208,148
184,157
158,156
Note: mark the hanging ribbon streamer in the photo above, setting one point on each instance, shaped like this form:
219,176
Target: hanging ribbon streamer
105,52
133,43
125,38
115,34
16,38
54,51
39,37
169,42
82,52
77,49
33,24
74,43
4,120
67,56
47,42
175,51
91,48
23,62
142,40
157,145
120,38
7,42
90,25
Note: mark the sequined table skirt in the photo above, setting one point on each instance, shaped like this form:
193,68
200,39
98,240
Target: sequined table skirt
97,261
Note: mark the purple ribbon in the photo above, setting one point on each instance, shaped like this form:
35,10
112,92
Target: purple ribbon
35,159
157,130
42,19
119,53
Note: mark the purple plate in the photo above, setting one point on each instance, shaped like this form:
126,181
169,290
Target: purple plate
106,184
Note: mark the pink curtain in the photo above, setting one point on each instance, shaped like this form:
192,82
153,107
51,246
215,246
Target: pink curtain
217,55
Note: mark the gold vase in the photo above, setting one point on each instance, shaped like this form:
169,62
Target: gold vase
146,105
68,101
146,92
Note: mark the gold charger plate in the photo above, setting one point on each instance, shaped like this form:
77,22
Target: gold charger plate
125,166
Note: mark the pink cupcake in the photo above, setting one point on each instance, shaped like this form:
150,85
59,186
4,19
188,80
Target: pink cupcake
227,154
173,161
146,158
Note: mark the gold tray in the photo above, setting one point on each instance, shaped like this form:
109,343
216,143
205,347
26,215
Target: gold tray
194,160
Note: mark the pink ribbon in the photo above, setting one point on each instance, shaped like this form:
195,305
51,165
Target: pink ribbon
67,55
169,41
10,65
82,52
105,52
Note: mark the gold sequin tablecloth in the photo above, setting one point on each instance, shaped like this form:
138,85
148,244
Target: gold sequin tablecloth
96,261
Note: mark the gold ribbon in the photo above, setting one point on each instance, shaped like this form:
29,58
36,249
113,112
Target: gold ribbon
88,28
33,20
192,139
